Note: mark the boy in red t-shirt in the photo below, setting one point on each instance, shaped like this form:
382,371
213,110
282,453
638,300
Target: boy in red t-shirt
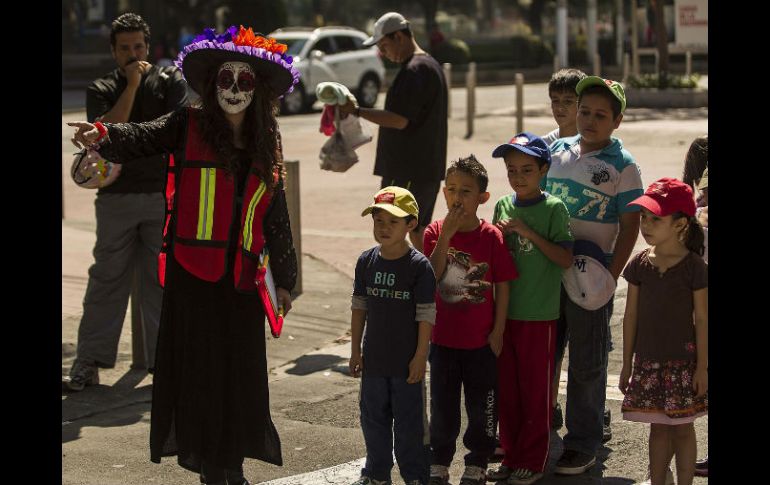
469,258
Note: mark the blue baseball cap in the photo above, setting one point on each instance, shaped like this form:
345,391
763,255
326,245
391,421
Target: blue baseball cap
528,143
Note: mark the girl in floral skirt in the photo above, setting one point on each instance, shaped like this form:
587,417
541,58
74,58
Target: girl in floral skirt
665,329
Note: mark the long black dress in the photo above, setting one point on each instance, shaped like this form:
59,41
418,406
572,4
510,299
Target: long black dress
210,400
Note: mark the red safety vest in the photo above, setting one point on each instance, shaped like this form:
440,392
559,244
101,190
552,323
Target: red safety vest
203,203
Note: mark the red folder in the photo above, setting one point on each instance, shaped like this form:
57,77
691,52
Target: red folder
268,295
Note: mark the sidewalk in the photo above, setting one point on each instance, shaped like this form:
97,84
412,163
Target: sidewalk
105,428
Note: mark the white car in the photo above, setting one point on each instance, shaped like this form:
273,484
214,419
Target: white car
331,54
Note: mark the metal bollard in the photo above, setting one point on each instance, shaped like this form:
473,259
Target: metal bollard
556,65
519,102
292,203
470,84
688,63
448,76
597,64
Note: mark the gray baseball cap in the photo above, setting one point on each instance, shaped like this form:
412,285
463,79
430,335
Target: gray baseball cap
387,24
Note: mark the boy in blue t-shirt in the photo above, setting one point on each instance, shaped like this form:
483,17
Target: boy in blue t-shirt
393,302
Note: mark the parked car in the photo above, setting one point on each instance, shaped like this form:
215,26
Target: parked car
331,54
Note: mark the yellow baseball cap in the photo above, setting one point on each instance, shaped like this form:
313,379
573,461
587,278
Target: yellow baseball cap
396,200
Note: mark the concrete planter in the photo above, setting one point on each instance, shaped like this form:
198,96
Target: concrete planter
667,98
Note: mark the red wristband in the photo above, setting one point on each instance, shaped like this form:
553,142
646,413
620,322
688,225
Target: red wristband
102,131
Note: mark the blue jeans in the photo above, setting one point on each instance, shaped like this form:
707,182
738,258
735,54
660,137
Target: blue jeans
391,408
589,347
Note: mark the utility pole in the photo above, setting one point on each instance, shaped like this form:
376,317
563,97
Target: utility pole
561,33
592,43
620,32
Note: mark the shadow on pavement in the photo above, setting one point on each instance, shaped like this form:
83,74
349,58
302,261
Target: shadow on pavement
307,364
120,404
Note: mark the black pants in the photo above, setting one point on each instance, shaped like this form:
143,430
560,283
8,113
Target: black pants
476,371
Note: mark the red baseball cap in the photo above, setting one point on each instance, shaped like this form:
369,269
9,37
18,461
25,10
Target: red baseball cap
667,196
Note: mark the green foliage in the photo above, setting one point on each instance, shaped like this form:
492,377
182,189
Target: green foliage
661,82
518,51
454,51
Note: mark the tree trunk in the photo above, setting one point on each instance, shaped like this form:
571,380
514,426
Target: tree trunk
535,14
430,7
662,39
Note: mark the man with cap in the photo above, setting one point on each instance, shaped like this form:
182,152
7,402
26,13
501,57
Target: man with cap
130,211
412,140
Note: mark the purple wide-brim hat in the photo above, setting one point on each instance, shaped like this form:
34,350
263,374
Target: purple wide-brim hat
200,59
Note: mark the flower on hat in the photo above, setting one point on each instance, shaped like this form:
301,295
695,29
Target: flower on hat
247,37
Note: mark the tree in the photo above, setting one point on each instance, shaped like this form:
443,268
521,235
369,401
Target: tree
662,40
429,7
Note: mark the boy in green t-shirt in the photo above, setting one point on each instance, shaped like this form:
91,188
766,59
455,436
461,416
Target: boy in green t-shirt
536,229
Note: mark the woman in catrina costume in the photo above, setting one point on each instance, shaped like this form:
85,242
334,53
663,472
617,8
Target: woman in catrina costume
226,204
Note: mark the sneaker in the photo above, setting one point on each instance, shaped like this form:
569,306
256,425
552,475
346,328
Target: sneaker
573,462
82,374
523,476
502,473
702,467
474,475
606,430
557,420
669,478
439,475
364,480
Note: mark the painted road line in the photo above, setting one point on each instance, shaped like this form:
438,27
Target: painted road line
345,473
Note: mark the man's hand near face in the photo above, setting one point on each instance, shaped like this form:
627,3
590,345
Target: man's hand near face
134,71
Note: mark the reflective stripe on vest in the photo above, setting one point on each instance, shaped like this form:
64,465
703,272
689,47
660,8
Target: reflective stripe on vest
206,205
247,225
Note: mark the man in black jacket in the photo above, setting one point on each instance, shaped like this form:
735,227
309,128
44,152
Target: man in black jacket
130,212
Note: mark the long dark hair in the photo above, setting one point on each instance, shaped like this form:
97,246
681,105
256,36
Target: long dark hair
260,130
692,236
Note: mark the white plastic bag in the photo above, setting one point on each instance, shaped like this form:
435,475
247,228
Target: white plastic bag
336,155
353,131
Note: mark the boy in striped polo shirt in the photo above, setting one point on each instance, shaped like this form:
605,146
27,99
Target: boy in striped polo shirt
595,177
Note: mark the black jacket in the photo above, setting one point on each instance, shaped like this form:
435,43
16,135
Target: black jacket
163,89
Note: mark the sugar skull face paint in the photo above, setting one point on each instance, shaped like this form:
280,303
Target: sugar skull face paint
235,86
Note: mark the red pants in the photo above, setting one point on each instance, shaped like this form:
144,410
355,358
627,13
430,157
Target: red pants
524,376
